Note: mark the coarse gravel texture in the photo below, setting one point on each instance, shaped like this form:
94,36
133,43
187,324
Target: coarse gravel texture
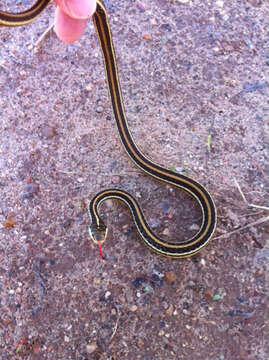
195,81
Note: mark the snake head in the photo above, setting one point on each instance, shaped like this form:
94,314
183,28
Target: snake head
98,233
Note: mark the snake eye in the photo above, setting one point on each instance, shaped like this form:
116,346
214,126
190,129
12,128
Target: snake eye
98,233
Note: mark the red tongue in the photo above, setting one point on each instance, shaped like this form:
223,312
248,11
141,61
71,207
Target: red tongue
100,251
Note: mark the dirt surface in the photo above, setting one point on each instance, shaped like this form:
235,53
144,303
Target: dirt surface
195,84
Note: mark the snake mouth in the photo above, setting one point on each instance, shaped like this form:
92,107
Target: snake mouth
98,233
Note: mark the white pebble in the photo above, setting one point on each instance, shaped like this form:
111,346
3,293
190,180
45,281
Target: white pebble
220,3
66,338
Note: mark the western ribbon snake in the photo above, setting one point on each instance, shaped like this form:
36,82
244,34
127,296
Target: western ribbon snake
97,229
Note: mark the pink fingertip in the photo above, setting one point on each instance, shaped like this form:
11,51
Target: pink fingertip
77,9
68,29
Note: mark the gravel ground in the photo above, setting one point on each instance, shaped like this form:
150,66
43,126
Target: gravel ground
195,84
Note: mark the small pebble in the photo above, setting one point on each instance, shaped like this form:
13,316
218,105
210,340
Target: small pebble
220,3
170,215
148,288
146,36
141,6
154,223
140,343
165,305
170,310
153,22
116,179
137,282
166,232
90,348
170,276
9,223
99,109
30,191
194,227
259,272
48,131
133,308
158,273
107,294
89,87
165,207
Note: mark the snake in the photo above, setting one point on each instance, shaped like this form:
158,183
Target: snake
97,229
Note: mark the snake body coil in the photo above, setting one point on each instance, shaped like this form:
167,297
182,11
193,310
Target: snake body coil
98,230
